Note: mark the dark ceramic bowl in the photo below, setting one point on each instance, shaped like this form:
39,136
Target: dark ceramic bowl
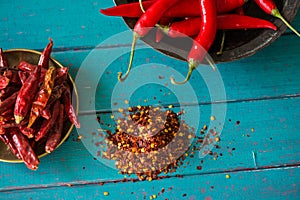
238,43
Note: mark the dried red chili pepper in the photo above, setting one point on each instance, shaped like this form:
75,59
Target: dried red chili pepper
24,149
23,76
270,7
45,57
4,81
61,75
25,66
187,8
48,124
3,61
26,95
55,134
13,76
28,132
66,97
8,91
42,96
6,138
204,39
144,24
55,95
2,130
8,103
191,27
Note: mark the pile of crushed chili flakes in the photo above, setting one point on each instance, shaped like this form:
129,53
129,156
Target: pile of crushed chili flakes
148,141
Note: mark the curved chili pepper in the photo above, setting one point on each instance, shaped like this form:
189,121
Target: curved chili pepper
204,39
269,7
25,150
144,24
66,97
184,8
45,57
3,61
55,135
42,96
26,95
48,124
191,27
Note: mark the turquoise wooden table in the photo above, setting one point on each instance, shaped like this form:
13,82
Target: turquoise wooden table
253,104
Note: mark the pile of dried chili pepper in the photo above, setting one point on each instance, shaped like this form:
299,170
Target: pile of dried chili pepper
198,19
35,103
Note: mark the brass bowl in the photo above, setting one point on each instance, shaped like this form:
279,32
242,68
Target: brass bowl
238,43
14,57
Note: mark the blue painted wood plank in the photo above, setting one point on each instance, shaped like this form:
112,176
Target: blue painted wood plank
271,73
272,139
28,24
281,183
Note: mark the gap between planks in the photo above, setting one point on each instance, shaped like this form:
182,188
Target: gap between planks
98,182
176,104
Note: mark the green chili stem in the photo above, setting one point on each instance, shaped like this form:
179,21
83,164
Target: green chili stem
276,13
135,38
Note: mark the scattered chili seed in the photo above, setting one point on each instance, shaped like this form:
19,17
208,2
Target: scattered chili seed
105,193
212,118
227,176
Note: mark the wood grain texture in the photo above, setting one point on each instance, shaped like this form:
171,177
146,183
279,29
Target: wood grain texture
255,184
261,153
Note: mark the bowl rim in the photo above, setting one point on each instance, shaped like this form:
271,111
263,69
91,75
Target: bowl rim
74,91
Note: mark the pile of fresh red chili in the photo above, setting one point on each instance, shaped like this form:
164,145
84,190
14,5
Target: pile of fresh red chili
35,102
198,19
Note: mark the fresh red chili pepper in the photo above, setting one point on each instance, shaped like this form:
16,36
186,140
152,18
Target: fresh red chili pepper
3,61
204,39
191,27
24,149
4,81
240,10
48,124
66,97
184,8
42,96
45,57
26,95
8,103
55,134
270,7
144,24
6,138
